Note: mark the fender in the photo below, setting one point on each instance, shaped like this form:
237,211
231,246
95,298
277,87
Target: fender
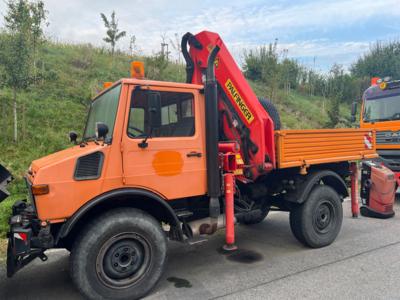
72,221
304,188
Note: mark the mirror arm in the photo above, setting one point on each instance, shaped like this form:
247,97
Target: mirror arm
144,144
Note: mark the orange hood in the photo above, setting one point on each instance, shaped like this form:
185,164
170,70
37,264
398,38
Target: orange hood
63,157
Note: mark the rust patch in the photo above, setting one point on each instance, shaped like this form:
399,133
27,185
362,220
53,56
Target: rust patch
168,163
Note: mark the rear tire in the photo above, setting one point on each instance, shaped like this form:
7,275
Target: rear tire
119,255
255,219
316,223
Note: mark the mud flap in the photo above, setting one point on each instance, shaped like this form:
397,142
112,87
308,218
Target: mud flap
11,261
19,251
5,179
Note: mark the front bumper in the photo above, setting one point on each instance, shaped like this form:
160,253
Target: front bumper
27,239
390,158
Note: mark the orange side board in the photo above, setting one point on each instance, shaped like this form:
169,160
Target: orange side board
303,148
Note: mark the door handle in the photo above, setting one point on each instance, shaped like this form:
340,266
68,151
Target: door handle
194,154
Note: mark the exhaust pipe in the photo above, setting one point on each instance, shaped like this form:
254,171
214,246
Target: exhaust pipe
213,173
200,227
211,106
191,39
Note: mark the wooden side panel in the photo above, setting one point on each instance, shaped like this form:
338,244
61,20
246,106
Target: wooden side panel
297,148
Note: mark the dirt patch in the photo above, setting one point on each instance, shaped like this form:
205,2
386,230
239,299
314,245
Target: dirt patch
3,250
180,282
242,256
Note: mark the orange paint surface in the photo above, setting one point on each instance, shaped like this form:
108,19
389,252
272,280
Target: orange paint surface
296,148
168,163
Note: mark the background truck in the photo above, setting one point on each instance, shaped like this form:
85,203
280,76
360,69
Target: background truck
380,110
178,161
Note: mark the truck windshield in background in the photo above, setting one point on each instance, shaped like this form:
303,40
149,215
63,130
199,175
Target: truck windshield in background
103,109
385,108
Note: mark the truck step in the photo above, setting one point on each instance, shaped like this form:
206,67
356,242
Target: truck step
183,214
196,240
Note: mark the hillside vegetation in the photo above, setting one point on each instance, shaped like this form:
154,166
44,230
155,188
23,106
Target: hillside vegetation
73,74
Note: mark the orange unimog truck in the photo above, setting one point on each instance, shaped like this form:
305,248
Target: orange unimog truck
178,161
380,110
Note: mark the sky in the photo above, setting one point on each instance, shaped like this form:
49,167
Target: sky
317,33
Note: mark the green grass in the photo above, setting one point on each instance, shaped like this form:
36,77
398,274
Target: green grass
298,111
73,74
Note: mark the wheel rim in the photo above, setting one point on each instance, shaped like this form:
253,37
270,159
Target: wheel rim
324,217
123,260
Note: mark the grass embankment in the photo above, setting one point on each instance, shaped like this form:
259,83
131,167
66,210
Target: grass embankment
73,74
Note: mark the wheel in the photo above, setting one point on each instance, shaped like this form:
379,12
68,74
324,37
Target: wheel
255,218
120,255
317,222
272,111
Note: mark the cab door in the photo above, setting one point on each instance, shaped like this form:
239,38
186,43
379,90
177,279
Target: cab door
172,161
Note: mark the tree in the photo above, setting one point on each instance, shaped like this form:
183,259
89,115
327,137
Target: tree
262,64
18,51
132,45
113,32
383,59
336,84
38,15
176,45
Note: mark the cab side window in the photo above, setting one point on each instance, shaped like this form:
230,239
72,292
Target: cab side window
177,115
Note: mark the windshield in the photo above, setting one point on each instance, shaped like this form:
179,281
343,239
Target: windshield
103,109
382,109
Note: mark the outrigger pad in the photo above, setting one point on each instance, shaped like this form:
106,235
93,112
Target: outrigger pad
370,213
5,179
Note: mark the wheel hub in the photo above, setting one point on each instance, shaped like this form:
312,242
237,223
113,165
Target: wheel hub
323,217
123,260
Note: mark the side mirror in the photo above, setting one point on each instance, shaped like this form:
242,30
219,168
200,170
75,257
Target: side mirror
101,130
353,111
154,115
154,102
73,137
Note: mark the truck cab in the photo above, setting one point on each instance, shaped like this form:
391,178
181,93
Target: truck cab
380,110
137,151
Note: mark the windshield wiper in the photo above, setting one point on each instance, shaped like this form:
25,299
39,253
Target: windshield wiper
377,120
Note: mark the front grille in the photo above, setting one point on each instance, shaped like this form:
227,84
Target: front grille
89,166
388,137
390,158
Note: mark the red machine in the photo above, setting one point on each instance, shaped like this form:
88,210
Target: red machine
240,112
378,188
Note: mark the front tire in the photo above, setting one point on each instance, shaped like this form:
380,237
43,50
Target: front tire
120,255
316,223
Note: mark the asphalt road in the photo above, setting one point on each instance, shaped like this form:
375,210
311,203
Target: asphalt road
363,263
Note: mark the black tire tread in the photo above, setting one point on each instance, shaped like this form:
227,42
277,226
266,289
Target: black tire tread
251,220
272,111
299,219
98,226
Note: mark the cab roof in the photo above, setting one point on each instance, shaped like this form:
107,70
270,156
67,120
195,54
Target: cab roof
147,82
159,83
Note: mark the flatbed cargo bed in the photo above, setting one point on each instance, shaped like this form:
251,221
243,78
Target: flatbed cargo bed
303,148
